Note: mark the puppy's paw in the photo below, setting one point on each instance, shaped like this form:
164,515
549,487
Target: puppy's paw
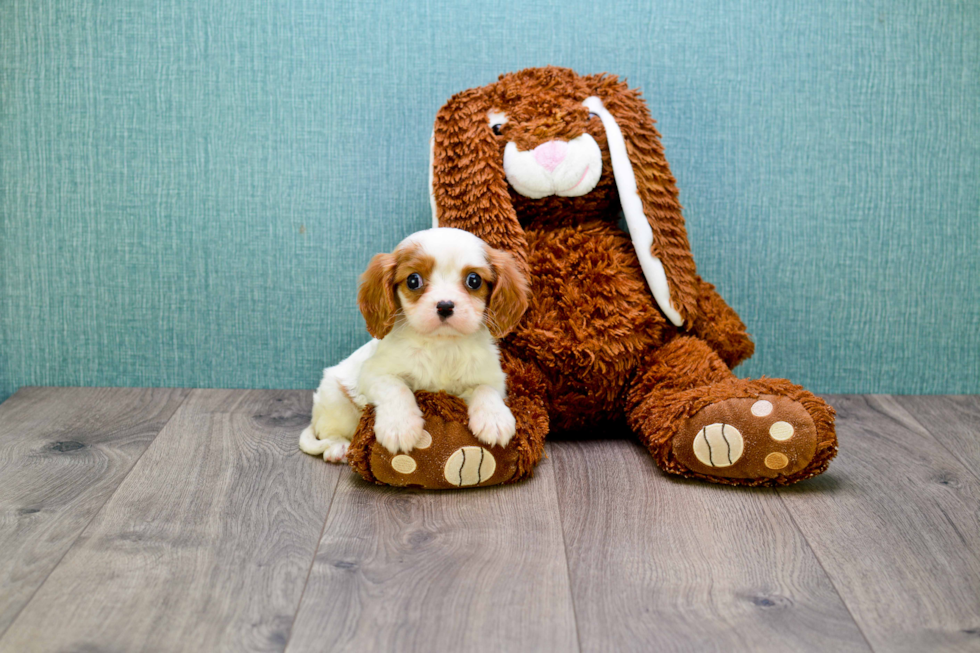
490,420
337,451
332,448
398,431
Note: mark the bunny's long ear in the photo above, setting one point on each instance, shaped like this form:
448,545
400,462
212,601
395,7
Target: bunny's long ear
469,189
648,194
509,299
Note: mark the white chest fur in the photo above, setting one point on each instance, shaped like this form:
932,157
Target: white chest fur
452,365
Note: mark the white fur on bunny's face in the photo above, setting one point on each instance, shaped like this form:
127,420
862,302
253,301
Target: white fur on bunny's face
577,174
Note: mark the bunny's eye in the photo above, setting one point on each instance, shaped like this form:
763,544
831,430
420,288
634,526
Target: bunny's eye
496,120
414,281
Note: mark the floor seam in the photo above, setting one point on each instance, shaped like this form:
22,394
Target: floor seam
823,568
938,441
309,572
564,544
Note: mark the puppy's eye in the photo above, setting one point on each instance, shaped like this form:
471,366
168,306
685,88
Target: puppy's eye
496,129
473,281
593,115
414,281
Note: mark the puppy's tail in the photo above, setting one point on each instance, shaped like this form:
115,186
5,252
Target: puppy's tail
308,442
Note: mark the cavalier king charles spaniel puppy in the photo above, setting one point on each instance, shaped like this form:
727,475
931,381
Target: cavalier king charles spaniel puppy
435,306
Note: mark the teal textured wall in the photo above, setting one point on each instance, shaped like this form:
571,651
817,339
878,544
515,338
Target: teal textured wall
189,188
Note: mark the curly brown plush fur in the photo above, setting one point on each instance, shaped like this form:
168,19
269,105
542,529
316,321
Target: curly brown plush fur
600,346
595,346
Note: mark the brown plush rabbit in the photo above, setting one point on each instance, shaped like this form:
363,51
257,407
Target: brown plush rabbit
542,163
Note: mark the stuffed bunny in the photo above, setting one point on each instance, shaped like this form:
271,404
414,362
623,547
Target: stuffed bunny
543,164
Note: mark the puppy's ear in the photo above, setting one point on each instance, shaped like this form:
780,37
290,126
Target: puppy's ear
376,295
469,188
509,297
648,193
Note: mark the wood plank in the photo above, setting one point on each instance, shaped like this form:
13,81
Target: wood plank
63,452
205,546
896,524
658,563
410,570
954,420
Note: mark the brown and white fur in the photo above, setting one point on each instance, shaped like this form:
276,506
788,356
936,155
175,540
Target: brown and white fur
434,326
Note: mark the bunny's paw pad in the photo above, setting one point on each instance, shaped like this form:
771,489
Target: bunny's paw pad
448,456
761,437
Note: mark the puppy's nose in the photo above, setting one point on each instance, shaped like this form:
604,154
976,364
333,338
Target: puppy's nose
445,309
550,154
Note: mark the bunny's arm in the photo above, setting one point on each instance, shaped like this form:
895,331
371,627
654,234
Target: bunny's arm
720,326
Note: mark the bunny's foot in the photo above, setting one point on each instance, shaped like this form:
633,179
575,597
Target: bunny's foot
762,437
699,421
449,455
740,432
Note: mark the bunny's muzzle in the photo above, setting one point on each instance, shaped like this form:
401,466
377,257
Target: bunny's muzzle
564,168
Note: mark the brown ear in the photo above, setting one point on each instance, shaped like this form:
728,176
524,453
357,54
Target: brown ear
657,191
509,297
469,188
376,295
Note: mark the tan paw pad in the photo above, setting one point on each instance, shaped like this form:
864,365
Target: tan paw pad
718,445
776,460
469,466
781,431
425,441
403,464
761,408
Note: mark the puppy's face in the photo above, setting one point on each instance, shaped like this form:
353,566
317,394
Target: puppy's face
444,283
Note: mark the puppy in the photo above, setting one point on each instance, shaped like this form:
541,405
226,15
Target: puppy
434,306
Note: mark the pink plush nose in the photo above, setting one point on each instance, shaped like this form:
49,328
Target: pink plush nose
550,154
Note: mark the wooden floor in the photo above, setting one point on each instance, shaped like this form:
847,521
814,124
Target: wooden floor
163,520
